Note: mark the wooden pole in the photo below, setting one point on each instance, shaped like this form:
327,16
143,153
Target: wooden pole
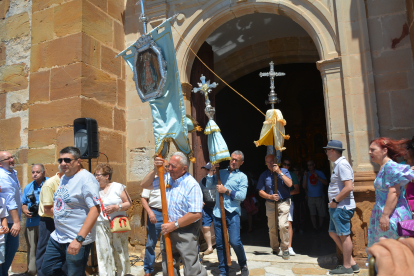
276,204
223,221
167,239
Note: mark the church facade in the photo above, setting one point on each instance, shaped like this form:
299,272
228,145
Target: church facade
57,63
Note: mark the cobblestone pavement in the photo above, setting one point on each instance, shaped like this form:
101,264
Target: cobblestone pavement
315,255
261,262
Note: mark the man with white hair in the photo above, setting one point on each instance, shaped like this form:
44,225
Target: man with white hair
30,207
185,204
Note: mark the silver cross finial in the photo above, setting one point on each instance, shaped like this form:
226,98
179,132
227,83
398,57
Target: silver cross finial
272,74
205,87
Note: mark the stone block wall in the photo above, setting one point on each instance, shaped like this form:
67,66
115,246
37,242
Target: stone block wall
392,60
74,74
15,34
57,63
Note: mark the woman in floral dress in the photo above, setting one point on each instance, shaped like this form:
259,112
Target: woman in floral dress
390,204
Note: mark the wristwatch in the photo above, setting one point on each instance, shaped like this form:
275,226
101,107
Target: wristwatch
120,206
281,174
176,224
80,238
227,192
334,200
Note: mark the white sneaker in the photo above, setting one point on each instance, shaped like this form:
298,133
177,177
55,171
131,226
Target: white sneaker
291,252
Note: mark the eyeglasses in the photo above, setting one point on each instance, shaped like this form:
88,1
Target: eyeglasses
8,158
286,164
67,160
98,174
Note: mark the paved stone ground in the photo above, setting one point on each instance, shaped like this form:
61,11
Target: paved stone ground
315,256
261,262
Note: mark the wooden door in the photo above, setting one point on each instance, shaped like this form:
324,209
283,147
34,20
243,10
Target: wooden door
198,105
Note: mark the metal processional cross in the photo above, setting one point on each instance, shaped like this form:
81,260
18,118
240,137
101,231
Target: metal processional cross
205,87
272,74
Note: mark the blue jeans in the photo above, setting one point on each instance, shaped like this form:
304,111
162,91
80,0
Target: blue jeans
12,244
153,233
233,226
46,227
340,221
56,256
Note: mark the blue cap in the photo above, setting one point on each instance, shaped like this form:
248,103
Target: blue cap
334,144
208,166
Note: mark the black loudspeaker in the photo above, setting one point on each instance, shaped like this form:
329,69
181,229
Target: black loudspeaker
86,137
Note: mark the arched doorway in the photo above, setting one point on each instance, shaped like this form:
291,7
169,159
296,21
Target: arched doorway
315,23
294,53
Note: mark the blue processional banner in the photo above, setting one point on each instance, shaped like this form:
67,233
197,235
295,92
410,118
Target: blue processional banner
168,111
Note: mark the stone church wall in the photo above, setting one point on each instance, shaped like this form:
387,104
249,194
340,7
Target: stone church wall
392,61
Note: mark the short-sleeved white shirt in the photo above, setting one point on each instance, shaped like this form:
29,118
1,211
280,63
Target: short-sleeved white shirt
3,214
72,201
154,196
112,197
342,171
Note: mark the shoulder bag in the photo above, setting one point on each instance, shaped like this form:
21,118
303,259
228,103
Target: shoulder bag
119,224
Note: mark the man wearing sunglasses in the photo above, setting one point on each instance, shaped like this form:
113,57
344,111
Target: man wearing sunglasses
75,210
10,191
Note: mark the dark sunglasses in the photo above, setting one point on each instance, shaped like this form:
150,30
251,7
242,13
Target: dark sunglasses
67,160
286,164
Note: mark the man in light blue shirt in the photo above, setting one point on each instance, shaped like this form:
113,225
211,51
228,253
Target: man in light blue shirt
185,204
30,202
10,191
234,189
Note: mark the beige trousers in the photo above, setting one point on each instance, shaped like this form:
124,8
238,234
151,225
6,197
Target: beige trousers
32,235
112,250
283,212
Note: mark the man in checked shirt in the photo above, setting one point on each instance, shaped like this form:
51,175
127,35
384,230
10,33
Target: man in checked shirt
185,204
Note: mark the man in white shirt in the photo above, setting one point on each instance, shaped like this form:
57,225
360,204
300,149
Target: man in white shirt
75,210
151,202
341,206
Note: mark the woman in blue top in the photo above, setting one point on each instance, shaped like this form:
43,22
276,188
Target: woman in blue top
390,204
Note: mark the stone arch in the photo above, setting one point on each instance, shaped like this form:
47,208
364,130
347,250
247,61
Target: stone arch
258,56
211,16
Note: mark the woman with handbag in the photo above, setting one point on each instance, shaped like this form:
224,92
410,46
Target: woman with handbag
390,206
112,248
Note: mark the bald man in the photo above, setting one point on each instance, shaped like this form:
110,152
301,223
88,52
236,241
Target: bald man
10,191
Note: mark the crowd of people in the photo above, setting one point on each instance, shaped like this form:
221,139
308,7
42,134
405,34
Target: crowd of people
64,216
69,211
